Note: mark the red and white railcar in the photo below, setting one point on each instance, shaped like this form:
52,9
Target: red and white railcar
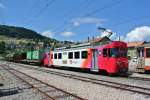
110,57
147,58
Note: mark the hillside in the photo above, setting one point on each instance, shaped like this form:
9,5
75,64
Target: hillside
15,40
22,33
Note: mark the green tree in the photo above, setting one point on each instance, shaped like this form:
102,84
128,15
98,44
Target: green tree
2,47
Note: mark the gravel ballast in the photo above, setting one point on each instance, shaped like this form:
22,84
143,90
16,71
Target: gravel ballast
13,88
84,89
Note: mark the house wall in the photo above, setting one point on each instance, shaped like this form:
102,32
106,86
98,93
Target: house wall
132,52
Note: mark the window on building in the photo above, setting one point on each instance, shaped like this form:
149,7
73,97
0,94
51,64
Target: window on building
84,54
55,56
70,55
104,52
147,52
59,55
77,55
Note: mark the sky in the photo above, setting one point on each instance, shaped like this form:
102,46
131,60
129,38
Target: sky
76,20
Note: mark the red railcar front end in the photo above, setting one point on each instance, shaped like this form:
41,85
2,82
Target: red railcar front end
113,57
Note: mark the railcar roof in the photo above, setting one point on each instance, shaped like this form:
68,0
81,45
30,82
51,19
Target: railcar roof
83,46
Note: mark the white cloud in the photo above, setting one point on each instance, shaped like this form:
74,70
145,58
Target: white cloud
1,5
87,20
139,34
67,34
48,34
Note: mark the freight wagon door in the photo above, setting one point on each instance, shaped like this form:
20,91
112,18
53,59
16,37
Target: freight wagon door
95,61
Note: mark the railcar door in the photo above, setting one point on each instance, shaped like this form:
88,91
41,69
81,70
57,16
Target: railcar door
95,61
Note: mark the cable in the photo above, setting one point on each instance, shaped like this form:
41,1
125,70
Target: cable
128,21
31,9
101,9
42,10
84,4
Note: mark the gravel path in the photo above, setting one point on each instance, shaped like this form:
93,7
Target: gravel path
86,90
14,89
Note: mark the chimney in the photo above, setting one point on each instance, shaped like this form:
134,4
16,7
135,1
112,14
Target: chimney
88,39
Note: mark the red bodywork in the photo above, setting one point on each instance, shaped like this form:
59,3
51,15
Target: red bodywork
46,59
113,64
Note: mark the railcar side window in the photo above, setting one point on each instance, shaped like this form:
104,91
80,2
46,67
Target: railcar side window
84,54
70,55
55,56
77,55
104,52
59,55
148,52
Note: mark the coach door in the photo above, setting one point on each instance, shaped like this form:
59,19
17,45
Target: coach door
95,61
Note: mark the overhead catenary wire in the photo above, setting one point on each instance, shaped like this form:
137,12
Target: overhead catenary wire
70,13
39,13
30,10
129,20
98,10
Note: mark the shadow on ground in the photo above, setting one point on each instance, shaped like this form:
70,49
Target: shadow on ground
9,91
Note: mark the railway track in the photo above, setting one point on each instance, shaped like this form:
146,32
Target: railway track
139,78
49,91
121,86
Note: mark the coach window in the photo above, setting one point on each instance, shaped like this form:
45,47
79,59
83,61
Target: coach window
70,55
59,55
77,55
84,54
55,56
104,52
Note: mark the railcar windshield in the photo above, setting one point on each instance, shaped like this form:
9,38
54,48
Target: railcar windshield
123,52
117,52
113,52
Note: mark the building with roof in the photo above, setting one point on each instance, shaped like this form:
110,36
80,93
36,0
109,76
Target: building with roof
133,48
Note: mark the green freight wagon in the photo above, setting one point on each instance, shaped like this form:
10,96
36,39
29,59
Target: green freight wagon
38,55
34,57
29,55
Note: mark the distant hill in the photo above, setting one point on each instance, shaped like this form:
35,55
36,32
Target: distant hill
22,33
